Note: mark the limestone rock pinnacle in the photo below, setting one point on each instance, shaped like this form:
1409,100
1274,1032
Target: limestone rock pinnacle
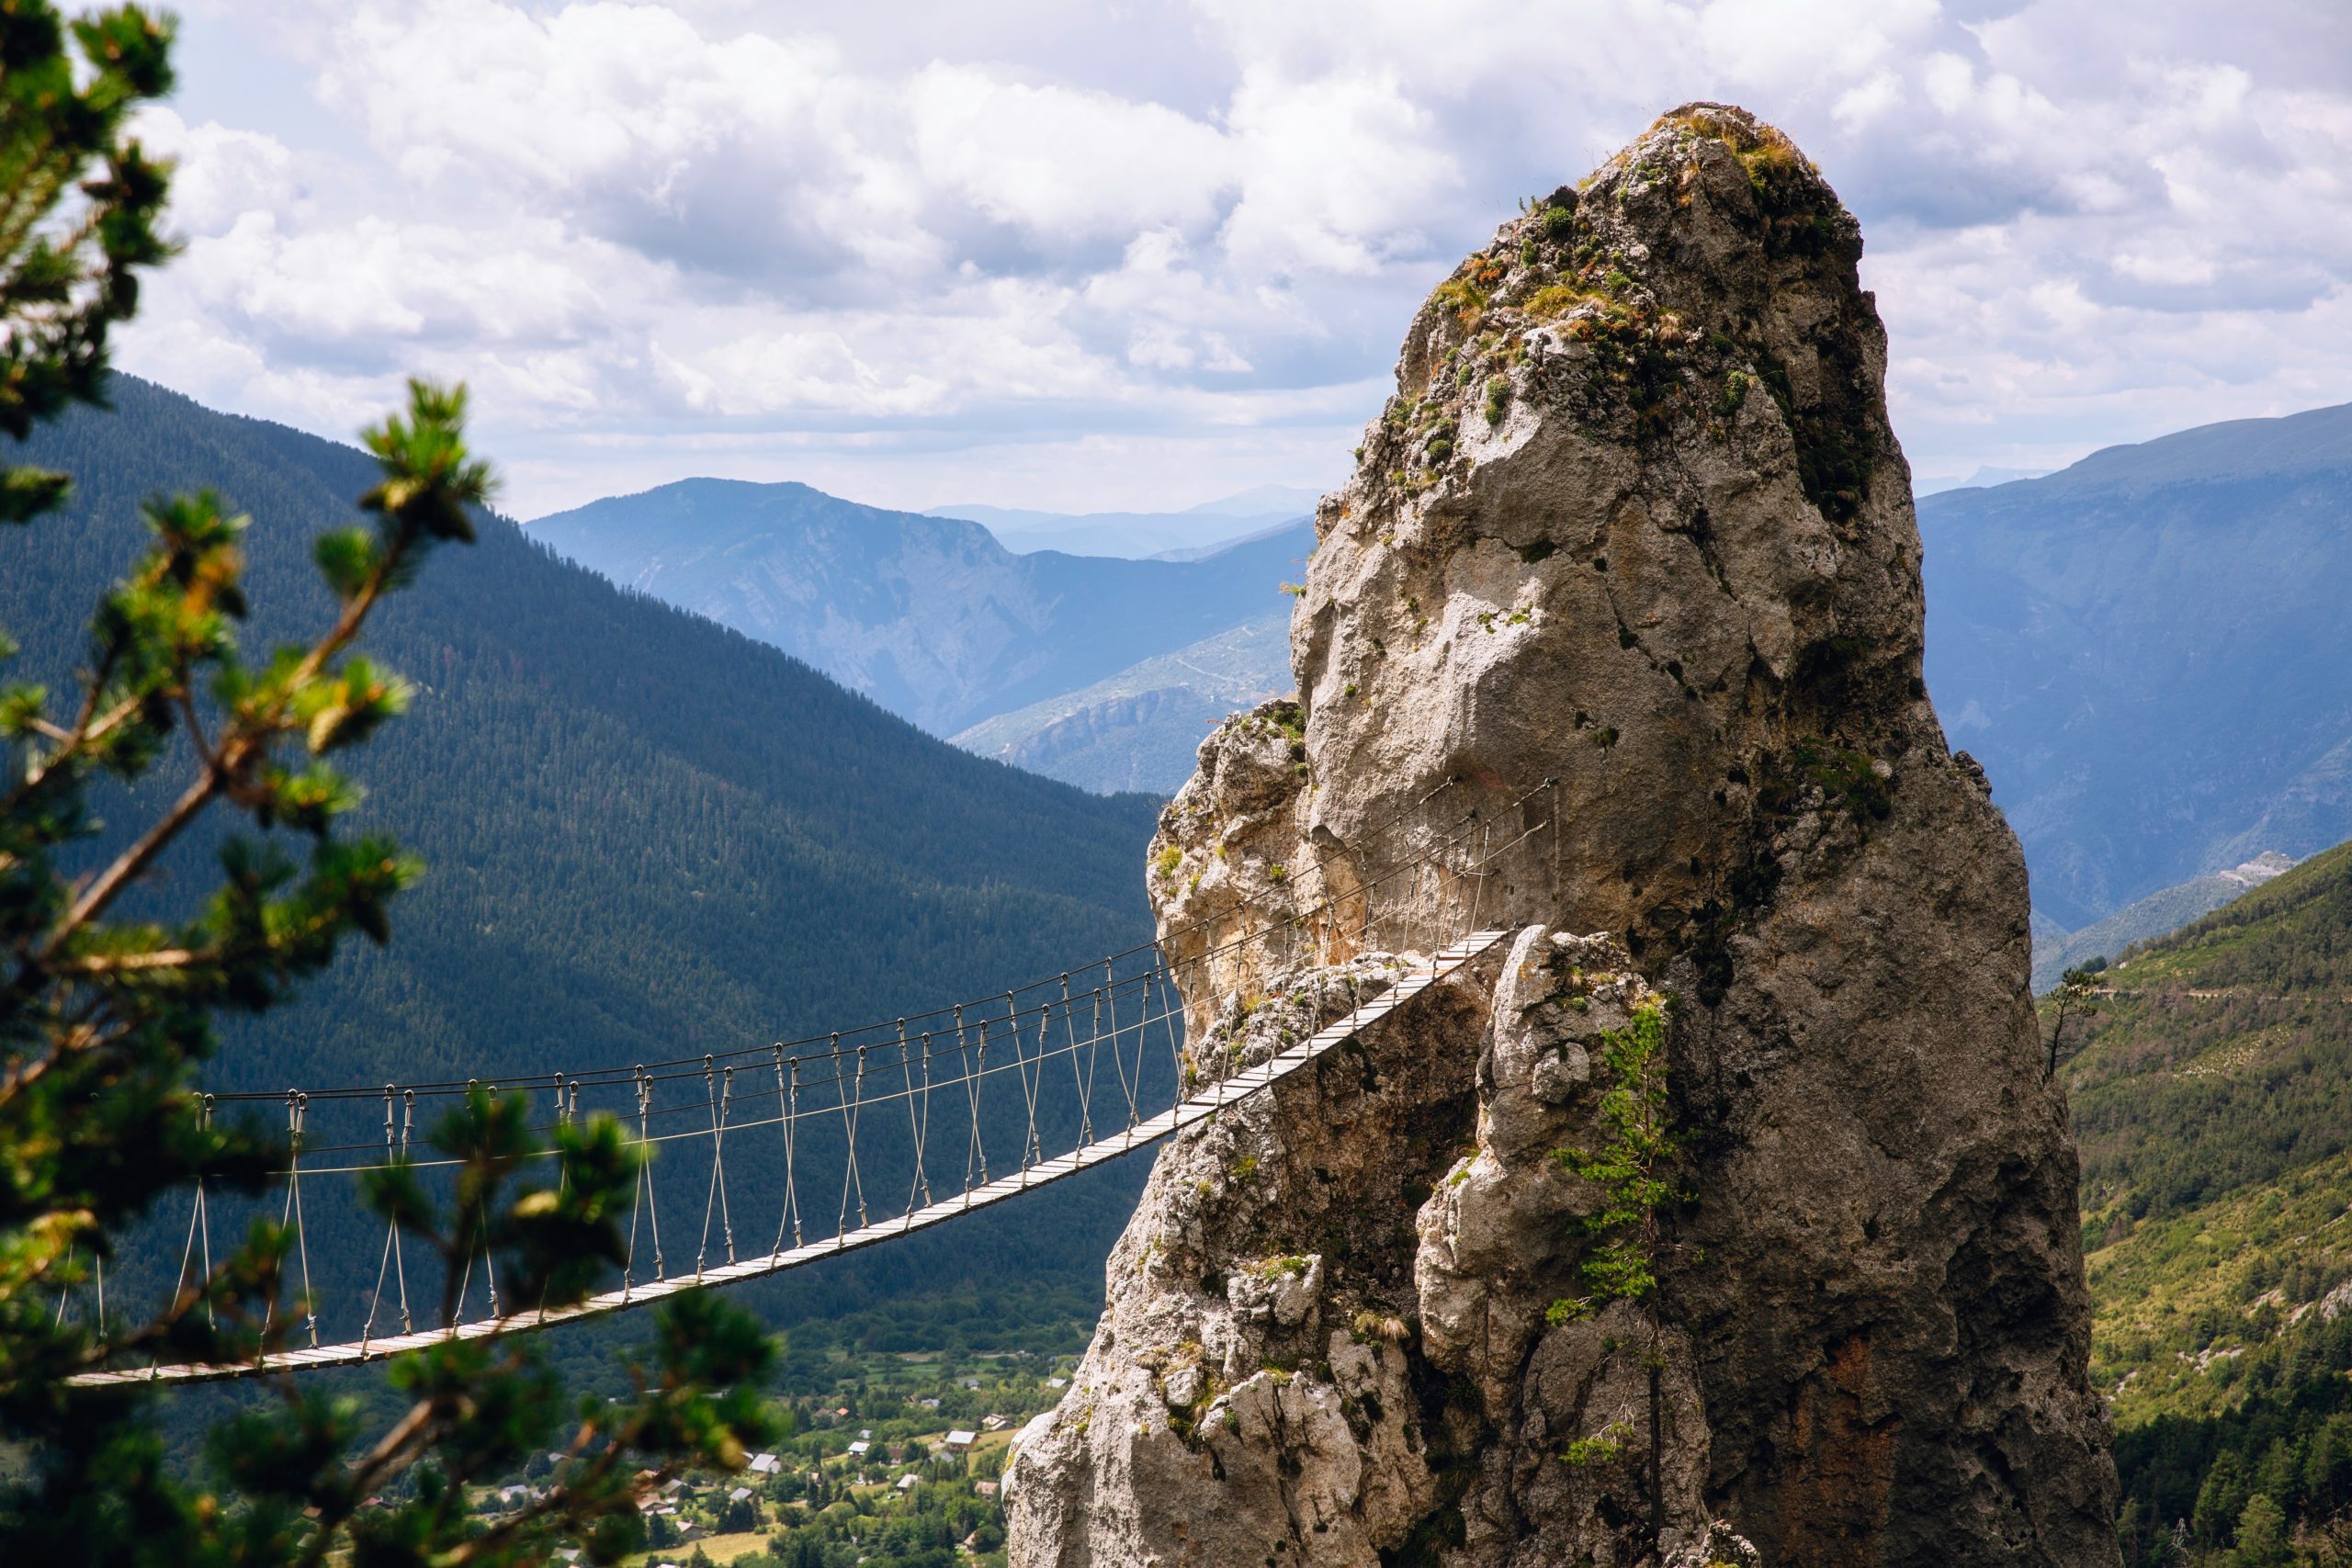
1627,576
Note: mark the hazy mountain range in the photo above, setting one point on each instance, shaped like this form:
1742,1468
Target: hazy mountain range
1186,535
1139,728
2146,650
2056,950
1983,478
2149,653
930,616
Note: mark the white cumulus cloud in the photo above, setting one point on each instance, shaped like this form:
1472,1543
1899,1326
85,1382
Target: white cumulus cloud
1053,253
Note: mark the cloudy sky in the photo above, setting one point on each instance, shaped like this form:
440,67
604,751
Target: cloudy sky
1114,255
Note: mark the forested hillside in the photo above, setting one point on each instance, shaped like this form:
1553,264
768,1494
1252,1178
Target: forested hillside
645,835
2213,1099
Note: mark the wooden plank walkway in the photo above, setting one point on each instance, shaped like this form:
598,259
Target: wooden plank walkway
1183,1114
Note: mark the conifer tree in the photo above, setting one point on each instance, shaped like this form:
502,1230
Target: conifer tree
113,980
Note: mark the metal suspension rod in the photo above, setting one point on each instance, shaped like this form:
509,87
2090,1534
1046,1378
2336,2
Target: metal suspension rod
391,1230
637,1192
1084,1083
916,1125
1030,1079
562,1167
1118,1055
1170,1011
489,1262
199,1224
978,1150
453,1315
850,1180
400,1262
720,1095
297,1106
790,1112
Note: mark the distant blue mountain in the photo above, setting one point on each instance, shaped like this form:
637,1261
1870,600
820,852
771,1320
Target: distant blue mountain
2150,653
1133,534
930,616
1983,478
1259,501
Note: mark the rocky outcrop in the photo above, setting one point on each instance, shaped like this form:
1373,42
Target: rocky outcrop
1627,581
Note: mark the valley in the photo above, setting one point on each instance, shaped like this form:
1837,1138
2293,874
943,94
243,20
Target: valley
2212,1089
645,833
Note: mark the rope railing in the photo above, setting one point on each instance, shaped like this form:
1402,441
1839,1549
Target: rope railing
855,1136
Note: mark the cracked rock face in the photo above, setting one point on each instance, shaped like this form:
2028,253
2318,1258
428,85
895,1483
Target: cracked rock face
1629,569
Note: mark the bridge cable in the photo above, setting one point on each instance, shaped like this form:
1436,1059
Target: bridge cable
298,1105
916,1127
851,1179
791,1114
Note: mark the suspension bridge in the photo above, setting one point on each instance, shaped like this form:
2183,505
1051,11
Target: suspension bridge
860,1136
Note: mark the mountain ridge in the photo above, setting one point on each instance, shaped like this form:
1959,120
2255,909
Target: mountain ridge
2316,440
2146,651
1140,728
930,616
1135,536
2157,915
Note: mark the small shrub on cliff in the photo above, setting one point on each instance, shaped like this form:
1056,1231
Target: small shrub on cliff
1498,398
1607,1447
1464,297
1638,1145
1639,1142
1555,300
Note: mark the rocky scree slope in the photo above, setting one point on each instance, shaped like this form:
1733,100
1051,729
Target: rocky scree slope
1634,523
